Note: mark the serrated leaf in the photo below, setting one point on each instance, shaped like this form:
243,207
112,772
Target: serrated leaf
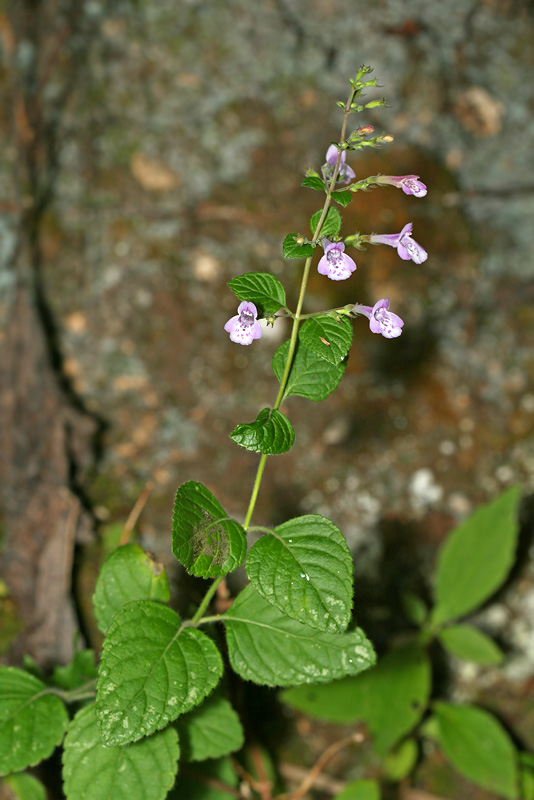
151,671
464,641
32,720
24,787
310,376
304,568
330,227
81,670
204,540
142,771
477,746
362,789
291,249
260,288
390,699
197,783
342,197
267,647
326,337
271,433
127,574
476,558
313,182
211,730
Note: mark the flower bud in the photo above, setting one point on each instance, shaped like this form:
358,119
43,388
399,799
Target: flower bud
365,130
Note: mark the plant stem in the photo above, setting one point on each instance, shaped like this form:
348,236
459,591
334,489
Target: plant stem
206,601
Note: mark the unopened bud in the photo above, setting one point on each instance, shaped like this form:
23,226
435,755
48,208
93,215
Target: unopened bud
387,138
366,129
300,239
270,320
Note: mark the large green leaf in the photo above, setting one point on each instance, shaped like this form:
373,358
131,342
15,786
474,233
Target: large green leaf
267,647
314,182
478,747
260,288
464,641
292,249
127,574
32,720
304,568
142,771
332,224
391,698
310,376
211,730
204,540
326,337
271,433
476,558
151,671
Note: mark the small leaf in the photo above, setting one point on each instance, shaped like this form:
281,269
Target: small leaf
32,720
304,568
476,558
400,762
313,182
330,227
142,771
271,433
362,789
127,574
151,671
260,288
310,376
197,782
526,775
326,337
204,540
81,669
24,787
391,698
211,730
477,746
267,647
342,197
293,250
469,643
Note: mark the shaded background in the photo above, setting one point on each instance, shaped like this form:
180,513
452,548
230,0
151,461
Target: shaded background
152,151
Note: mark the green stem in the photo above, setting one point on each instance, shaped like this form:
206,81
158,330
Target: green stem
206,601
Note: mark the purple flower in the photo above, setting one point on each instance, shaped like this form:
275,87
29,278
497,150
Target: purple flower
407,248
244,327
335,264
345,174
381,320
410,184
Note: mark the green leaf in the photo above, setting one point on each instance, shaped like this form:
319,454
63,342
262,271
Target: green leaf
332,224
469,643
313,182
476,558
400,762
142,771
310,376
127,574
151,671
32,720
327,338
210,730
342,197
390,699
477,746
196,783
526,775
362,789
291,249
271,433
204,540
25,787
267,647
81,669
260,288
304,568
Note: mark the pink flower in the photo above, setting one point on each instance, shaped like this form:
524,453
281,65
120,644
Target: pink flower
407,248
335,263
346,174
381,320
410,184
244,327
